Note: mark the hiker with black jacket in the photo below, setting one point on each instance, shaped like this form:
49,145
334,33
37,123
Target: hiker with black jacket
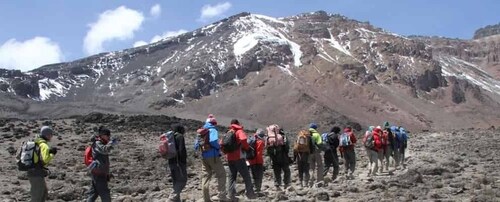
177,165
99,168
331,156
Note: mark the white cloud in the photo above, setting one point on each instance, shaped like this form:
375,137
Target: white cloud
208,11
118,24
155,11
140,43
29,54
167,35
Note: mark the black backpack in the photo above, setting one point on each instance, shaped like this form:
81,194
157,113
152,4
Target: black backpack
228,142
252,150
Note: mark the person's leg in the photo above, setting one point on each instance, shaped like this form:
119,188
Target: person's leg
259,173
92,193
232,180
301,167
353,161
319,168
243,170
335,162
402,157
277,175
38,189
220,174
101,186
206,177
387,158
287,175
312,166
380,155
327,157
397,156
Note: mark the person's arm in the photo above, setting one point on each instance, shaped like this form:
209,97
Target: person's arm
102,148
45,155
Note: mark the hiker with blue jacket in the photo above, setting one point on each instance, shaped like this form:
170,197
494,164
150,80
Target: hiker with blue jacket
208,143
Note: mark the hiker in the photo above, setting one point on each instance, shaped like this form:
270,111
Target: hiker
396,146
256,162
373,145
99,168
346,145
403,140
41,158
177,165
277,149
233,144
331,142
301,150
315,157
388,142
380,151
208,143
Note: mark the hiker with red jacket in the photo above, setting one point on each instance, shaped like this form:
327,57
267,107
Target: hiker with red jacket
99,168
374,149
208,144
346,146
177,165
236,161
257,163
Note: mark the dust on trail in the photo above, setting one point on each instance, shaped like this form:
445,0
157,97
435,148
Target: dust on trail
457,166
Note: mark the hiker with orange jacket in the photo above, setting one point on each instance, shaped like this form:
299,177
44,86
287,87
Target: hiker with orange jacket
236,138
257,162
346,146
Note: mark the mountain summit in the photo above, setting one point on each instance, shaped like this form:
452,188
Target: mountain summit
291,71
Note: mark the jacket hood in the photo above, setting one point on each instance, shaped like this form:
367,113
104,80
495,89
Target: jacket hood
347,130
39,140
371,128
236,127
312,130
377,130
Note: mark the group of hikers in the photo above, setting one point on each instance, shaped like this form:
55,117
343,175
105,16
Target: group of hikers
314,154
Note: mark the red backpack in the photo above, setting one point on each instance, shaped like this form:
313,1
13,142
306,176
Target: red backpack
87,156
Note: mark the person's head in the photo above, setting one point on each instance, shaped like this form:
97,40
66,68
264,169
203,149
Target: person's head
178,128
313,126
46,133
260,133
211,119
304,133
104,133
235,121
371,128
387,124
335,130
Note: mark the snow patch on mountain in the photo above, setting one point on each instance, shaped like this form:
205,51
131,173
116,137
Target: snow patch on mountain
49,88
252,30
452,66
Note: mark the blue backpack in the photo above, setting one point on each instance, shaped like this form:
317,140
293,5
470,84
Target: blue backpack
402,137
345,140
326,143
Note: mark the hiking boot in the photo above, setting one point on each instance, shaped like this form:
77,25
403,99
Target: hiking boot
251,196
222,198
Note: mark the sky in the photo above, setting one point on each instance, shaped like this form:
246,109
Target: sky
38,32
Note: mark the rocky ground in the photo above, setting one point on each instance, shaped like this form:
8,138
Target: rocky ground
447,166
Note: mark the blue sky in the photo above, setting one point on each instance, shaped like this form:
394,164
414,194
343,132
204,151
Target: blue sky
38,32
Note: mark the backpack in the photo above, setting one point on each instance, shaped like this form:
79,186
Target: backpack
167,146
370,141
326,142
302,143
228,142
87,156
345,140
252,150
204,138
26,156
274,137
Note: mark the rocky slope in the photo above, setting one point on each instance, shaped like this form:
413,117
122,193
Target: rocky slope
440,166
293,70
489,30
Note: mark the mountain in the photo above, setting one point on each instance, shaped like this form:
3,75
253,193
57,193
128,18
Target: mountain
489,30
291,71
